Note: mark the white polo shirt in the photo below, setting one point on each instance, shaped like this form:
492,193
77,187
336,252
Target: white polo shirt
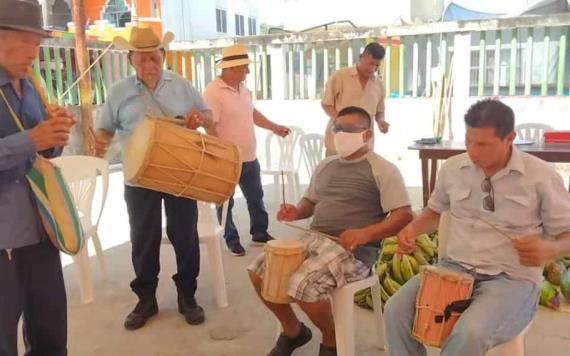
233,116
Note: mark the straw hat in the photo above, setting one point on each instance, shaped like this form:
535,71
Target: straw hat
22,15
143,39
234,56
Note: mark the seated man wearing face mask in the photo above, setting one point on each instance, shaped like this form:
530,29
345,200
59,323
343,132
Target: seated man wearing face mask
357,196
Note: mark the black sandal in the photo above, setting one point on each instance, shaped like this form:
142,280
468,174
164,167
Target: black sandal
286,345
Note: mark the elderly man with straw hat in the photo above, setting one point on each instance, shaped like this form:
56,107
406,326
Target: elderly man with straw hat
234,117
159,93
31,279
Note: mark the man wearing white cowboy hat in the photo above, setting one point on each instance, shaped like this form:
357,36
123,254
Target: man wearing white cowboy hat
234,117
31,279
156,92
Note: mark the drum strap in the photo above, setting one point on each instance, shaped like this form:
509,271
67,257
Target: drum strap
154,100
458,306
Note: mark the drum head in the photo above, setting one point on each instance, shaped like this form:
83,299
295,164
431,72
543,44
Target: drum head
136,149
285,244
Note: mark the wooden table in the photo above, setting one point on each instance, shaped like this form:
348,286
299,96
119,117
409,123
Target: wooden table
431,154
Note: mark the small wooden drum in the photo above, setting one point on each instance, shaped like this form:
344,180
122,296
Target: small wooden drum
442,296
172,159
282,258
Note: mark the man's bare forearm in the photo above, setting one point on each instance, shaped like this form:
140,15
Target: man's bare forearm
427,222
563,242
330,111
260,120
396,221
305,208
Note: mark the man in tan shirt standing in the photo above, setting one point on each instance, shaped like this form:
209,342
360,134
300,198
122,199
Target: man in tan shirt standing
356,86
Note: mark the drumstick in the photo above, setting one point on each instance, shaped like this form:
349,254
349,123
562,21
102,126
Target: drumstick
330,237
86,71
496,229
283,186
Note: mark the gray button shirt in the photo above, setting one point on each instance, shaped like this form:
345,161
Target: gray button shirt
19,221
530,199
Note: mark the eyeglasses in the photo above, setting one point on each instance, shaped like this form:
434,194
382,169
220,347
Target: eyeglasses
489,200
348,128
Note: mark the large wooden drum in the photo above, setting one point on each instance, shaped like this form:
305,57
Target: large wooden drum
282,258
440,289
169,158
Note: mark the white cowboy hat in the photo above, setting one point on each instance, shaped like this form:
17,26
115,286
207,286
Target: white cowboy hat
143,39
233,56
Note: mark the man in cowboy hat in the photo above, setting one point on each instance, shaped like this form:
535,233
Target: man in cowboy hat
234,117
31,279
156,92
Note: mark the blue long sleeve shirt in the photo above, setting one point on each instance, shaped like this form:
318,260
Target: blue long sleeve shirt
19,220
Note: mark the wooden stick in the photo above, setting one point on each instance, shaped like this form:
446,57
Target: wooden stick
497,229
86,71
283,186
82,62
330,237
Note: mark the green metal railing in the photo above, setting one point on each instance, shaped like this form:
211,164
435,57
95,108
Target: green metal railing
511,57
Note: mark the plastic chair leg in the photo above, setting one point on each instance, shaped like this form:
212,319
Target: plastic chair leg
343,313
99,253
81,261
378,315
217,270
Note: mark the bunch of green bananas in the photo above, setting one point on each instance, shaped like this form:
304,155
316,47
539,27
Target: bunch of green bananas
394,269
557,281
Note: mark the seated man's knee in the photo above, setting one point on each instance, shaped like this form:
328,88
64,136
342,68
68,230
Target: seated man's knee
392,308
467,337
403,302
256,279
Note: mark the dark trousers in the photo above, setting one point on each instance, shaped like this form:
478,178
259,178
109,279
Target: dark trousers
145,218
31,284
250,184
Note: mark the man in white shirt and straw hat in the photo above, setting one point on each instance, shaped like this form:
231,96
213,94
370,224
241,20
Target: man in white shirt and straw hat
155,92
234,117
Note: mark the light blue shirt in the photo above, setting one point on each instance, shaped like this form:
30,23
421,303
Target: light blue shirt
19,221
129,101
530,199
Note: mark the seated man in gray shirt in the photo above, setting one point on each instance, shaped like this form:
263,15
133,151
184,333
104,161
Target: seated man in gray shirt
359,197
493,186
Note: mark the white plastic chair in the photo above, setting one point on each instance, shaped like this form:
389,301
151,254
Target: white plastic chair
532,131
312,151
210,233
343,313
342,300
284,161
80,173
514,347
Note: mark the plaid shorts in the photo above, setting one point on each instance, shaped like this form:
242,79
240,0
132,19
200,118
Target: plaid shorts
327,266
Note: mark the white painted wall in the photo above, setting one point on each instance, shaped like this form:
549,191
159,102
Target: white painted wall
410,119
302,14
196,19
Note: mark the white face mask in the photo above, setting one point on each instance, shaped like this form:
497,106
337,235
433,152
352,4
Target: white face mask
346,143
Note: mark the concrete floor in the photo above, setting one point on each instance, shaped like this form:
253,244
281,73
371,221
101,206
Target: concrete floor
97,328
